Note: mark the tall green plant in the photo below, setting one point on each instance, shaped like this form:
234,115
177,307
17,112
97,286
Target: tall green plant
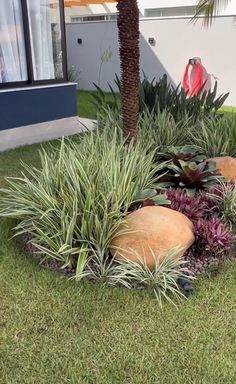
105,58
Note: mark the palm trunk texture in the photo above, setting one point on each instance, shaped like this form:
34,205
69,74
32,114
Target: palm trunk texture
128,33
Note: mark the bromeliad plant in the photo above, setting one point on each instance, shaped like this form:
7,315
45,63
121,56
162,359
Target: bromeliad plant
186,169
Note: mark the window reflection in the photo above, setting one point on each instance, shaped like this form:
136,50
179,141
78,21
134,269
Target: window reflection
12,48
46,40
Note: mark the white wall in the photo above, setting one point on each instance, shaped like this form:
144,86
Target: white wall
145,4
177,40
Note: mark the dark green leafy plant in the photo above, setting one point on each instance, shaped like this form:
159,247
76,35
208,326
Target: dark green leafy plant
159,95
147,197
101,103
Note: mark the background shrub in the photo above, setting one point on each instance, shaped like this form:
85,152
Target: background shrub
215,137
160,95
162,131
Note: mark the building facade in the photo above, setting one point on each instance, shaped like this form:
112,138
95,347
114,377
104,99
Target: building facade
105,11
33,67
168,39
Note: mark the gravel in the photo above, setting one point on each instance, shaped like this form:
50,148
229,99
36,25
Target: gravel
195,264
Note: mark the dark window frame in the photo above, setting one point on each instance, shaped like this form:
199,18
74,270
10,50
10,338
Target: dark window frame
31,82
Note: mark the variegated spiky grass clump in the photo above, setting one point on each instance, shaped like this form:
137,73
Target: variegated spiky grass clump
224,198
162,280
79,196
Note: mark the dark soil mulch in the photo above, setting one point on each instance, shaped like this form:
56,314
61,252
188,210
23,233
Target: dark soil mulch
195,265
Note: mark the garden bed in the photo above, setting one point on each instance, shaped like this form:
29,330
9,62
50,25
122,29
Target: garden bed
74,205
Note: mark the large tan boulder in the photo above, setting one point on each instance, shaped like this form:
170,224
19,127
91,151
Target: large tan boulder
152,230
226,166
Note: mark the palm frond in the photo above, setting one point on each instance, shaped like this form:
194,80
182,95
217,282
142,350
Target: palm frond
210,9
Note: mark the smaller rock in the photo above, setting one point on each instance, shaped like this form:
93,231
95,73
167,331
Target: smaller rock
227,167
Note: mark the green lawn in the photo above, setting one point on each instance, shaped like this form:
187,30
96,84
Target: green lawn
54,331
85,107
228,108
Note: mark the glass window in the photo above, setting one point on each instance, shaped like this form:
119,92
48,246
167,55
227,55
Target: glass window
46,39
13,65
85,19
170,11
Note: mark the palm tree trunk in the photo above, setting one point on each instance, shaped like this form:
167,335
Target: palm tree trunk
128,33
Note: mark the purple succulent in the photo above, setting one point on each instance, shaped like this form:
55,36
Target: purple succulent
213,235
193,206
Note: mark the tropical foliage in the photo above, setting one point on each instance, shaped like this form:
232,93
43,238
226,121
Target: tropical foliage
71,207
157,96
210,9
78,198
